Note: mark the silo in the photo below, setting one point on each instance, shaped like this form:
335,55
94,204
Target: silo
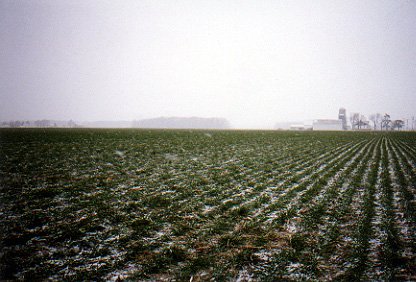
342,115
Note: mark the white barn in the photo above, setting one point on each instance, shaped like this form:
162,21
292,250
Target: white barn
297,127
327,124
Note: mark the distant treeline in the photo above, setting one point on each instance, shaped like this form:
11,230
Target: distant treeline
162,122
38,123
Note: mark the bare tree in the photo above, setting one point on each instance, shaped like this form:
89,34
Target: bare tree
386,121
397,124
71,123
355,120
363,122
376,119
358,121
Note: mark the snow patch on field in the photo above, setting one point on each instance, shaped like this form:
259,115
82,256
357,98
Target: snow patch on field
171,157
244,276
125,273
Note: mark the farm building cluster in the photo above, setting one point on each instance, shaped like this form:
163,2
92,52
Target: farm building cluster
356,122
332,124
326,124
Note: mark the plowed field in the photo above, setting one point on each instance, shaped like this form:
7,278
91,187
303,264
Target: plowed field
84,204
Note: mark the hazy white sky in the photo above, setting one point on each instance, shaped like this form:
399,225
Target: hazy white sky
252,62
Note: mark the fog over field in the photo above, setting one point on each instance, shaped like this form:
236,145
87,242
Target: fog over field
143,173
253,63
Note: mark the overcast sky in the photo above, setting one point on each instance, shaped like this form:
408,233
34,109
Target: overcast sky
252,62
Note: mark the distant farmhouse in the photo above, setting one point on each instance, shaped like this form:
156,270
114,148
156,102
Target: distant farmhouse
297,127
300,127
332,124
327,124
324,124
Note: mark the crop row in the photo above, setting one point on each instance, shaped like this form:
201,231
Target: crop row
175,205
